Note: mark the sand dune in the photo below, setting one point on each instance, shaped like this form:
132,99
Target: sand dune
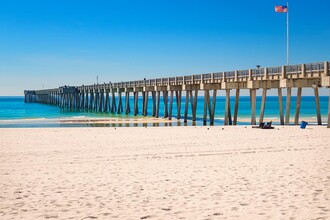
165,173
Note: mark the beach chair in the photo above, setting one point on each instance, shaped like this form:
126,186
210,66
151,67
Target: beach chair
260,125
268,125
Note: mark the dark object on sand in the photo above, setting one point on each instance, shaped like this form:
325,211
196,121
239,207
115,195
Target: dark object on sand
303,124
263,125
260,125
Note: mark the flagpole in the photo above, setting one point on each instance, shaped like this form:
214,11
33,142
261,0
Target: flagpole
287,34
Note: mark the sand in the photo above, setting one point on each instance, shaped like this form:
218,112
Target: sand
165,173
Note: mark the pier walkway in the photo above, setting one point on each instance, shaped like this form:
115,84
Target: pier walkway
107,97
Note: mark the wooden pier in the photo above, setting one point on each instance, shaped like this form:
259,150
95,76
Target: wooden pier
108,97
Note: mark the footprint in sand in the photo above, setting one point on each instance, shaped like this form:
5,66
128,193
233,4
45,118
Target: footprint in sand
218,213
90,217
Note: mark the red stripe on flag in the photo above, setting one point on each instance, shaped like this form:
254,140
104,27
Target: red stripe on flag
281,9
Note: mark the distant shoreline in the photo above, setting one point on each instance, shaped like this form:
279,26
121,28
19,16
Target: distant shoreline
133,122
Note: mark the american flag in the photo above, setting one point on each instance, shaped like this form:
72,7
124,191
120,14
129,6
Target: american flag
282,8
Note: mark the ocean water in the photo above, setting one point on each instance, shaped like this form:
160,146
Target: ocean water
14,112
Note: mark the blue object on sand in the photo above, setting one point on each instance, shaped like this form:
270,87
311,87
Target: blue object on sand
303,124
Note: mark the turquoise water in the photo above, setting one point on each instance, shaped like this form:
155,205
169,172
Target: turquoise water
13,110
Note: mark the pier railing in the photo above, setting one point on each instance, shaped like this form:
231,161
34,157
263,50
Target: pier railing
310,70
293,71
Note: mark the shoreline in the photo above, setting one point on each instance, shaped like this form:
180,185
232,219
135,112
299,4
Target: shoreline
137,120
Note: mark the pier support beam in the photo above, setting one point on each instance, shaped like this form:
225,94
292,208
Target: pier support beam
317,103
136,108
262,106
61,100
78,98
153,94
193,103
101,102
186,107
113,103
296,117
127,107
86,101
178,103
120,104
157,104
165,99
58,98
171,106
253,101
78,101
107,102
209,107
212,111
82,103
236,107
91,100
65,101
96,101
228,119
145,103
71,101
287,107
280,104
206,102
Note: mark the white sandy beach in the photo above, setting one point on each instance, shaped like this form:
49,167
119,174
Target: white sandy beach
165,173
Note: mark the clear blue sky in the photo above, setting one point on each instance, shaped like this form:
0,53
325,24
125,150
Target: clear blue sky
55,42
